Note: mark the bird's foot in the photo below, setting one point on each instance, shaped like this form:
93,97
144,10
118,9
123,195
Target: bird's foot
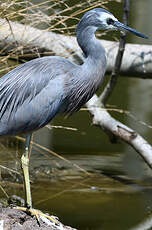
49,220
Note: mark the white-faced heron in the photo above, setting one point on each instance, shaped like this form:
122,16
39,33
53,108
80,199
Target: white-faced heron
32,94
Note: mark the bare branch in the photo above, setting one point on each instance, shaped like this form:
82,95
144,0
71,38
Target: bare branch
103,119
32,42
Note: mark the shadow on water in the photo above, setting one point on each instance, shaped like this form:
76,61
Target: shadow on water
118,193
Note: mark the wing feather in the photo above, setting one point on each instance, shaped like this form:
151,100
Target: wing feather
24,85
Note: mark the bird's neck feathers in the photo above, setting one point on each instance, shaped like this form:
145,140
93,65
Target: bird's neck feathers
91,47
95,62
88,77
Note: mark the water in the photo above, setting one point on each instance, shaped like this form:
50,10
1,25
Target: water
118,193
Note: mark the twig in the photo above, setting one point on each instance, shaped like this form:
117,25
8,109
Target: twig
115,73
61,127
3,190
56,155
16,43
10,170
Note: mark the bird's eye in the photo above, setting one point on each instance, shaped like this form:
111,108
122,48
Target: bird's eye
110,21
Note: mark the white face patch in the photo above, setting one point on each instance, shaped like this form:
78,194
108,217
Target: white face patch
103,18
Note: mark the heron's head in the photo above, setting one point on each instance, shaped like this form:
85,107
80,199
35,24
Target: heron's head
103,19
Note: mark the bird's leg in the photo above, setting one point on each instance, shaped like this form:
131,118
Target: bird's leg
25,167
28,198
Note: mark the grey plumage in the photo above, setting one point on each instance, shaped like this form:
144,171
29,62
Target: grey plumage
34,92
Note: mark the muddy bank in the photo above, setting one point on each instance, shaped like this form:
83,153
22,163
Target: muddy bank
11,219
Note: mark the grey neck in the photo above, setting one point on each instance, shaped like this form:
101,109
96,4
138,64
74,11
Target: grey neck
91,47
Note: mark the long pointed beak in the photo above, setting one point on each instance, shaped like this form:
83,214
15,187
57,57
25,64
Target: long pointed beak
121,26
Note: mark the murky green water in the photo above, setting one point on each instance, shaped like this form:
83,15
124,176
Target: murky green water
118,194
